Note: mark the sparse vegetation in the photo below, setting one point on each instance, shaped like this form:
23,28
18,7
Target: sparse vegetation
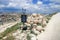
9,30
17,26
28,37
10,38
50,15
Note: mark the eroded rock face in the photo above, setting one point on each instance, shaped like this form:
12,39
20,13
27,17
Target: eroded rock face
52,31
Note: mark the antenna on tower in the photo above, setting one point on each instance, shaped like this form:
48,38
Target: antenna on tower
23,11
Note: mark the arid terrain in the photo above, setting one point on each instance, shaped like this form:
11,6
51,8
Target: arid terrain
13,29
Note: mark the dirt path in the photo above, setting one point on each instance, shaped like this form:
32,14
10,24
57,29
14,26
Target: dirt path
5,26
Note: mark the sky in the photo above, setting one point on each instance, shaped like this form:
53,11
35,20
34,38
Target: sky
31,6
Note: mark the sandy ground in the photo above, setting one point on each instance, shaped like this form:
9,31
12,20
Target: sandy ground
52,31
5,26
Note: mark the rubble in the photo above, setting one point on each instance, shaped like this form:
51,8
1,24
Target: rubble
33,26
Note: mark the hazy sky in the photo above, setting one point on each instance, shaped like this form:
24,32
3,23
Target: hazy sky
40,6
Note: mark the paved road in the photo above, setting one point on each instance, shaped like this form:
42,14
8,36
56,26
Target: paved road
52,31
